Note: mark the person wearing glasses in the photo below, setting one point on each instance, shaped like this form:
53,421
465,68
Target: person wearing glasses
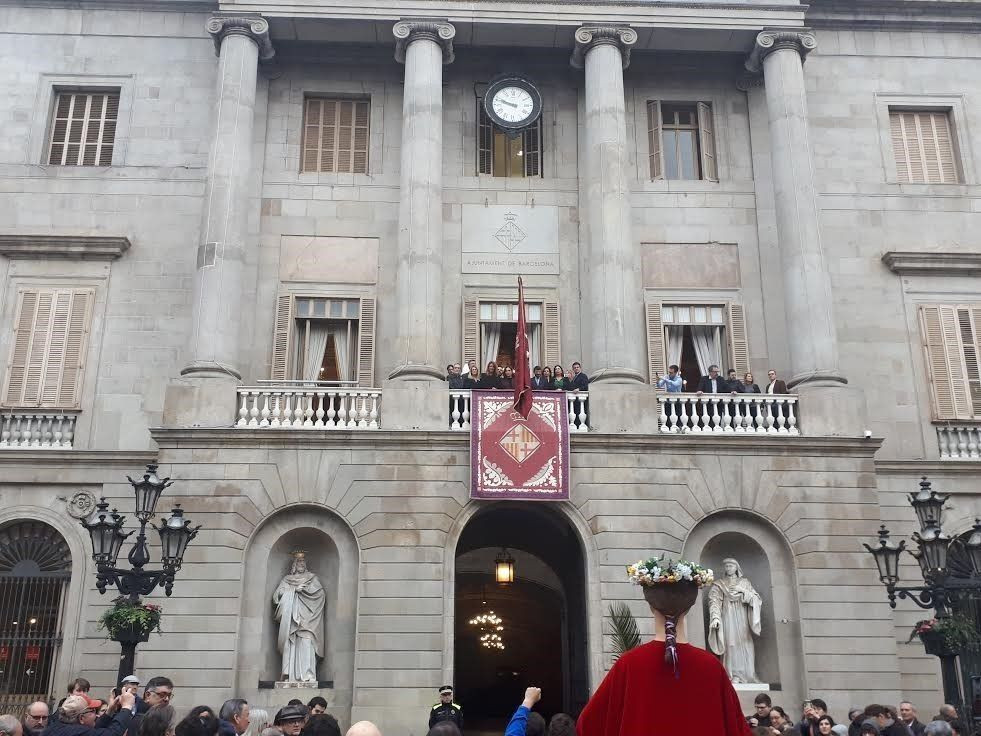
78,714
159,691
35,718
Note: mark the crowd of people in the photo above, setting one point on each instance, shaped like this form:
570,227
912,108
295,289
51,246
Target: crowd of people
714,383
872,720
502,377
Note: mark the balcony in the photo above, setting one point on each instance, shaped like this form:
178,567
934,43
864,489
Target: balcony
38,429
728,413
959,441
459,408
298,406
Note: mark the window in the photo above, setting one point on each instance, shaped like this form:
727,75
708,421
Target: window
335,135
491,326
681,142
328,339
923,145
695,336
501,155
83,128
51,329
952,341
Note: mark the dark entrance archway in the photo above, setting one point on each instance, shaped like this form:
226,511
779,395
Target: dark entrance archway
543,616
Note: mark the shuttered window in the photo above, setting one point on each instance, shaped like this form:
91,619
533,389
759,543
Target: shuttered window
505,314
952,340
923,145
335,135
681,141
83,128
295,313
47,358
728,318
499,155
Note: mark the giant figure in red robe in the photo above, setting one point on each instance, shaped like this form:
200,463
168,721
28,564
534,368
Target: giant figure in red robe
666,687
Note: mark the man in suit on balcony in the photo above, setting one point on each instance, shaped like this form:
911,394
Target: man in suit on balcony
775,385
713,383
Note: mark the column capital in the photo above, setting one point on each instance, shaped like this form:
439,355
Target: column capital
801,41
221,26
589,36
408,30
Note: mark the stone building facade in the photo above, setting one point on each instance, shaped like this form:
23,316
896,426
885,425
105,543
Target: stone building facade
197,197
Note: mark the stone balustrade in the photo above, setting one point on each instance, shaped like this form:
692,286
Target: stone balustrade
459,408
308,408
959,441
37,430
728,413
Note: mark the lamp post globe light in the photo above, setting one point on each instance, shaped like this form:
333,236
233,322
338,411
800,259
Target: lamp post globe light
942,586
105,529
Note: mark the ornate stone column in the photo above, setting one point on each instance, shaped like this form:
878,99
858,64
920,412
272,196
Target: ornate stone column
219,290
807,289
424,47
613,334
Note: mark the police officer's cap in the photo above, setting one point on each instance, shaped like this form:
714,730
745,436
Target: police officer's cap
445,689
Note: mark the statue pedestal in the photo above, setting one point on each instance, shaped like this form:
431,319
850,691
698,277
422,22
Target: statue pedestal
753,687
286,685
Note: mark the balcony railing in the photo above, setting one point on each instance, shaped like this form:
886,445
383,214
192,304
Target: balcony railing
309,408
459,408
959,441
36,430
728,413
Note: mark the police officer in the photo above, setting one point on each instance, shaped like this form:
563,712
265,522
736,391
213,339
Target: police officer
446,709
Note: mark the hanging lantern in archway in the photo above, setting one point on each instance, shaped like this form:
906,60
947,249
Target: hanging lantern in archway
504,568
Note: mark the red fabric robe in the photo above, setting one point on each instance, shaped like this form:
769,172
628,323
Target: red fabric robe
640,696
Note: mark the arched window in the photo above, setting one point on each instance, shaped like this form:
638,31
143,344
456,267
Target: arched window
35,565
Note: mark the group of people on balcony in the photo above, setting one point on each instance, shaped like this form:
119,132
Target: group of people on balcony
502,377
714,383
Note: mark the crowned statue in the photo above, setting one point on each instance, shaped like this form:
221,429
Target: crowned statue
300,600
734,619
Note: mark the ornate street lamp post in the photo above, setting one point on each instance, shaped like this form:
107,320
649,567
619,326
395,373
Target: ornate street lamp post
105,528
941,587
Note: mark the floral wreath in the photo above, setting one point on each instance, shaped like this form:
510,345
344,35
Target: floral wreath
659,570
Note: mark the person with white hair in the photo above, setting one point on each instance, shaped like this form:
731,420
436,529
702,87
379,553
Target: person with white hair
10,726
938,728
364,728
259,721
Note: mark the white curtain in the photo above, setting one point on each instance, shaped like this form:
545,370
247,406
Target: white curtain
675,338
708,347
535,345
490,341
338,330
316,346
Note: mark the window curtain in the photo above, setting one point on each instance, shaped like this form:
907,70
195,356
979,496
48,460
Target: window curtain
316,347
708,347
535,345
490,342
342,350
675,339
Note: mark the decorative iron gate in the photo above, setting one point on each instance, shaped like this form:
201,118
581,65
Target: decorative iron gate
35,566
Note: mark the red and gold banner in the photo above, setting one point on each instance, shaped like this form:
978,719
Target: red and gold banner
516,458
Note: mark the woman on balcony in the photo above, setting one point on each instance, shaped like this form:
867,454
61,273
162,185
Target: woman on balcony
549,382
508,380
490,379
561,384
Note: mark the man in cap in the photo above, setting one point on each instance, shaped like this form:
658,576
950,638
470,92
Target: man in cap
132,682
290,719
446,709
78,714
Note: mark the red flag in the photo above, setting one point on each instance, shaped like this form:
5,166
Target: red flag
522,373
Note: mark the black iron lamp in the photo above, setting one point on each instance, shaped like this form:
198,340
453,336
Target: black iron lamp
933,548
928,504
105,530
148,492
175,534
886,555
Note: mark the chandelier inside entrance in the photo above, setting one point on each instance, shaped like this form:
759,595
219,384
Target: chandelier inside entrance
490,625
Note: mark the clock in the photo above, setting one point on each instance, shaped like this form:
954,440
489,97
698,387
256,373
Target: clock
512,103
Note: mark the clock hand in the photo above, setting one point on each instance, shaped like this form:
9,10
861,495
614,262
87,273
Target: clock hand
509,103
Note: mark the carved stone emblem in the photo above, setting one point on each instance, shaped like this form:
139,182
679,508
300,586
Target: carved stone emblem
510,235
81,504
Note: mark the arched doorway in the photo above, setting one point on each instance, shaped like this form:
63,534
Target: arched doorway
543,615
35,567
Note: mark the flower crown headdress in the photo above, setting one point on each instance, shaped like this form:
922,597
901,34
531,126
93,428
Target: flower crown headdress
659,570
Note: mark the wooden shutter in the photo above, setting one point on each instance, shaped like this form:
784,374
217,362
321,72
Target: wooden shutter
366,343
738,344
551,335
531,146
655,341
655,142
471,328
706,140
83,130
939,331
485,141
335,136
282,338
969,323
923,147
48,353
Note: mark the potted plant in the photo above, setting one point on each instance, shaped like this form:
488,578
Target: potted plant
945,637
130,622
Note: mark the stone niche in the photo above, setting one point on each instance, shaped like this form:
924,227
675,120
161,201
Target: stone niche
331,553
766,559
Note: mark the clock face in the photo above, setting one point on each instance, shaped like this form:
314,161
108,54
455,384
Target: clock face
513,104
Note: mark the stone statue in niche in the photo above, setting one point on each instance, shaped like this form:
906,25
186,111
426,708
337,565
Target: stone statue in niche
299,603
734,619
